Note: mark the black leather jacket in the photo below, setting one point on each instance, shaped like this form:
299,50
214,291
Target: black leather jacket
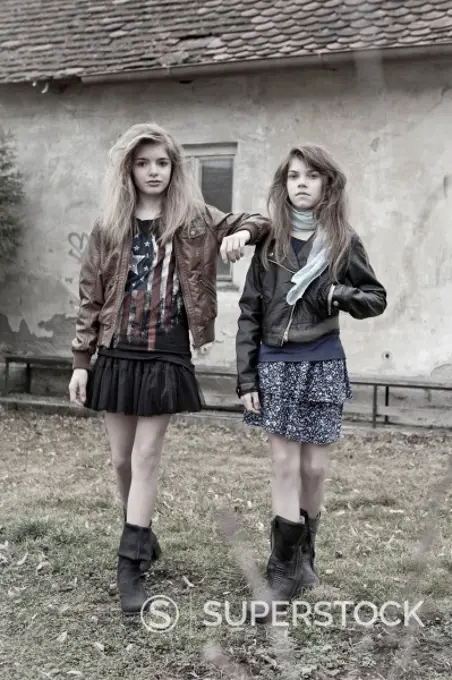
266,316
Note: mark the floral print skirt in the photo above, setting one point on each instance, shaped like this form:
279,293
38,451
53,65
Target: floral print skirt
302,401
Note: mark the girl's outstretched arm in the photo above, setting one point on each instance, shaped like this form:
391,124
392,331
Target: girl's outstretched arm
249,329
226,224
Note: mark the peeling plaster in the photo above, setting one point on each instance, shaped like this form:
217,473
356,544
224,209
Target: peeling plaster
60,330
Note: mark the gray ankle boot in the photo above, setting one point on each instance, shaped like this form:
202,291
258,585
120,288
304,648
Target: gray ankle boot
134,548
309,578
155,549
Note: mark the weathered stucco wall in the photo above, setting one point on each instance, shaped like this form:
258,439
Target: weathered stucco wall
390,130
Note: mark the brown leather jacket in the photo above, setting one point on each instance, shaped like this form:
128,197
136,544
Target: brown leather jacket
104,272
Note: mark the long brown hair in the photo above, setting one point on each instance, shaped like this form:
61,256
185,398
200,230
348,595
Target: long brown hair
330,213
181,203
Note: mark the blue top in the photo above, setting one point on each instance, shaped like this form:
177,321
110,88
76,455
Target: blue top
297,244
327,347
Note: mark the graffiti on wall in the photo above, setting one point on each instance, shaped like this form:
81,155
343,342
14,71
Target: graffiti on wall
78,242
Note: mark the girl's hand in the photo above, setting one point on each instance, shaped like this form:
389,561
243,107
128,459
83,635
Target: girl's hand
251,402
77,386
233,246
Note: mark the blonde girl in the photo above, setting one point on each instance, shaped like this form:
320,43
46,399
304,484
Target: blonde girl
148,286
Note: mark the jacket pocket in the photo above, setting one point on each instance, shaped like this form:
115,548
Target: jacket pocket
319,298
195,230
209,308
209,287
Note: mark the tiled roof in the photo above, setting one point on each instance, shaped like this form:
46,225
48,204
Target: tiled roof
41,39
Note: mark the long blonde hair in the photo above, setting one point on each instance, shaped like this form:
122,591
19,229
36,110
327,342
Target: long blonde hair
181,203
331,212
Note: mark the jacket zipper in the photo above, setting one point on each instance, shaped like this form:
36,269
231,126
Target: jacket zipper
278,264
208,286
184,292
285,336
286,332
121,284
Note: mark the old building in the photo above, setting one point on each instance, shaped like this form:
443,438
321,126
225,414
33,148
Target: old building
238,82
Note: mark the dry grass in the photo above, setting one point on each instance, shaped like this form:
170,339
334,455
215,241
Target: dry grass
388,493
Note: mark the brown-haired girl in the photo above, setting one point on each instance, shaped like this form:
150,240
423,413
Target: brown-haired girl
292,374
148,281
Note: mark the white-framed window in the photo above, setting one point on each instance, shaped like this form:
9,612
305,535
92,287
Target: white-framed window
213,166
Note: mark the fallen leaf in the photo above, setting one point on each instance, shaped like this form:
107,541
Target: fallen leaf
187,582
42,565
63,608
22,560
13,591
99,646
62,637
269,660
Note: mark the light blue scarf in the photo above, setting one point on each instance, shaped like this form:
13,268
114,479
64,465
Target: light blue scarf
317,262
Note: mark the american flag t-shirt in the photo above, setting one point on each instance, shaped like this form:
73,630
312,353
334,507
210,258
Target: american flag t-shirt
152,316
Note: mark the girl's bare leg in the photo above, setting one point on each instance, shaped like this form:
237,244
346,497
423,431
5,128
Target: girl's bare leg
285,478
146,455
121,433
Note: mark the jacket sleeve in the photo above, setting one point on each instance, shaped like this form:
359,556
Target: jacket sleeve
225,224
362,295
91,296
249,330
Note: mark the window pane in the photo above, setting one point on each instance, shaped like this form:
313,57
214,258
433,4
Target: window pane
216,182
216,187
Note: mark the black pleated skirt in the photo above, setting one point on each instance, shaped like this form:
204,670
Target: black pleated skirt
143,387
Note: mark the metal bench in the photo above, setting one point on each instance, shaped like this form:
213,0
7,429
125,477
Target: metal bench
32,362
375,382
387,383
